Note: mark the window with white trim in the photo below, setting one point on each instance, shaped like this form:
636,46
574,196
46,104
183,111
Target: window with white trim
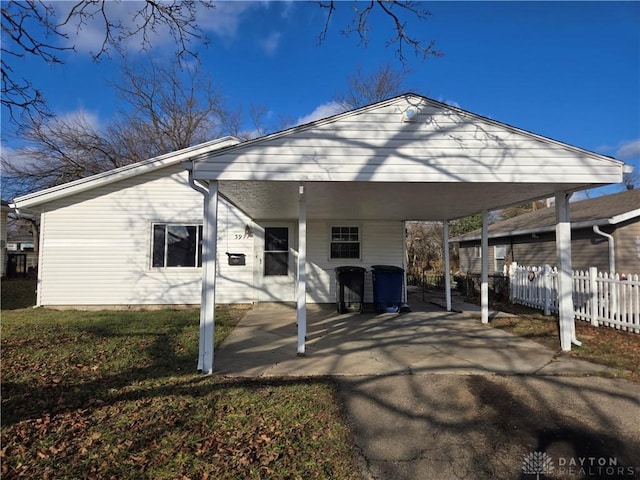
175,245
345,241
499,256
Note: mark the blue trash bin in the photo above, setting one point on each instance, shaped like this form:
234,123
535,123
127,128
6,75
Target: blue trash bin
388,283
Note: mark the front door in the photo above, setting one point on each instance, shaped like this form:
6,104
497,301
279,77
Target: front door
275,265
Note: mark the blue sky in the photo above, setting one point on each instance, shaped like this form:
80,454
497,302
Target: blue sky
566,70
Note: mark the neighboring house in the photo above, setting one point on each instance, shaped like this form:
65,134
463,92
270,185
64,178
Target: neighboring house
4,213
529,239
269,219
22,254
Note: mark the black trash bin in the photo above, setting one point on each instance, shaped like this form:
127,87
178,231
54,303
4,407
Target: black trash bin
388,283
349,288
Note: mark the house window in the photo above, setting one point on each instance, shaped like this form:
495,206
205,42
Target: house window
477,252
345,242
499,255
176,245
276,251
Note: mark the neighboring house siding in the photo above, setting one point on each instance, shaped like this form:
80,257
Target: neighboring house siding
440,145
97,245
381,245
627,241
587,250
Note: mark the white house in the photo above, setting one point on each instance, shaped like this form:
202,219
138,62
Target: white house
282,211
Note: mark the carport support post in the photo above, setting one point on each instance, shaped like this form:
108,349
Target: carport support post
208,301
484,282
447,267
565,274
301,307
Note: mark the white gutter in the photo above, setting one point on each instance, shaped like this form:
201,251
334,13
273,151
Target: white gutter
612,251
198,188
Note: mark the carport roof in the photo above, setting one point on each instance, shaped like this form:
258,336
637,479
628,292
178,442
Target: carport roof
407,158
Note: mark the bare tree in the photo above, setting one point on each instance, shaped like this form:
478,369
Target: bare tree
364,89
60,150
30,29
425,247
397,12
166,109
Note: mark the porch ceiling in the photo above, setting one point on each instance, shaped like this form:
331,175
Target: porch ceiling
264,200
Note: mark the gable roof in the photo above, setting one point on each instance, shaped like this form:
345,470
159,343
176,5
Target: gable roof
381,143
439,163
605,210
117,174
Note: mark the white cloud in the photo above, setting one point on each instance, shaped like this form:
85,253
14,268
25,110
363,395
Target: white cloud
222,21
628,150
271,43
15,159
322,111
453,103
80,117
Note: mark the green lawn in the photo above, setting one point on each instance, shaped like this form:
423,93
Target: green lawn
115,395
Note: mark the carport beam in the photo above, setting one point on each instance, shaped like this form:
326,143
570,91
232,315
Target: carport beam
447,267
208,299
565,273
301,307
484,283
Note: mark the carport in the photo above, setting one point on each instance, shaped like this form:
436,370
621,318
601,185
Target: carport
428,340
407,158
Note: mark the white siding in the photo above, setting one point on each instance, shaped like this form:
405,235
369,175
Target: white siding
381,245
441,145
96,246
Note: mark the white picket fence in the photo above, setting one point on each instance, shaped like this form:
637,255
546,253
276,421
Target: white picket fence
612,300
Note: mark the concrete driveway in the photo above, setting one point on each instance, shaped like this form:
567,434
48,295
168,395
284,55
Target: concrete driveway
438,395
428,340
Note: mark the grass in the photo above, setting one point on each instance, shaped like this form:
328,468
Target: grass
114,395
616,349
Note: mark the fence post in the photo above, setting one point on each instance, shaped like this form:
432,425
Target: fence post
513,268
615,287
593,295
546,280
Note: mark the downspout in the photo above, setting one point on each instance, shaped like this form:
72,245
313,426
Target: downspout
612,250
207,327
612,269
198,188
